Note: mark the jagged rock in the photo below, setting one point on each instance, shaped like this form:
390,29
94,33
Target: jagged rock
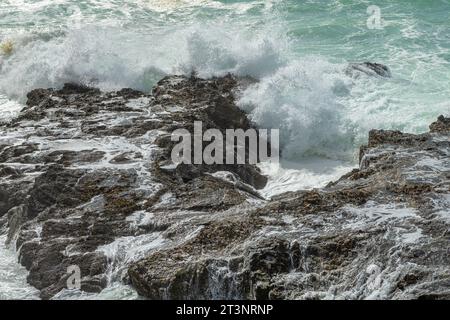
442,125
94,186
4,202
172,274
379,232
18,153
94,159
75,88
369,68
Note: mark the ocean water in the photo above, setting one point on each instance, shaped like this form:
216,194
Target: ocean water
298,50
13,283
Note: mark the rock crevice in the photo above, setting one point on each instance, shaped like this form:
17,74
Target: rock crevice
86,179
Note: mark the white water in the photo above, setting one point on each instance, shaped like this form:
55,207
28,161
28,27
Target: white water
292,176
297,50
13,276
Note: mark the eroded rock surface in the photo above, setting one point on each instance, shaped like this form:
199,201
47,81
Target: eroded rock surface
380,232
86,179
82,171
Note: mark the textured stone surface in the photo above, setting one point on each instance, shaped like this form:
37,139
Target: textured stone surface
369,68
86,179
77,163
380,232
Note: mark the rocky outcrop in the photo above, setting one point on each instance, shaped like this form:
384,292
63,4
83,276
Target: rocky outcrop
368,68
381,232
86,180
78,164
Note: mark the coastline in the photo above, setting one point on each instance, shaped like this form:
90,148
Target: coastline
86,180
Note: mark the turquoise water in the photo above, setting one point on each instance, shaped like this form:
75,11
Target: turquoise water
299,51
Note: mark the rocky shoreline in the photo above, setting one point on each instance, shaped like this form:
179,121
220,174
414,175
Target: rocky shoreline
86,179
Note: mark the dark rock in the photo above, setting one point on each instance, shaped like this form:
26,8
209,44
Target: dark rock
16,217
328,243
78,190
55,187
100,180
74,88
37,96
16,153
4,202
442,125
369,68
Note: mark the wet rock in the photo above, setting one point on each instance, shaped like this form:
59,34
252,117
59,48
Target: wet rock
125,157
369,68
17,153
55,187
173,275
269,257
16,217
93,186
6,171
213,103
75,88
379,232
94,160
37,97
4,202
442,125
66,157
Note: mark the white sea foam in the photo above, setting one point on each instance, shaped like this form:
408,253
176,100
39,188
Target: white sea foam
300,99
13,276
324,114
308,174
320,111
